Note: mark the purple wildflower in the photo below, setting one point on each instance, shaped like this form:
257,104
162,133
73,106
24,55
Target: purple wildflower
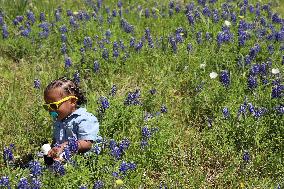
5,32
68,62
35,168
98,184
23,184
246,156
37,83
73,144
225,78
58,168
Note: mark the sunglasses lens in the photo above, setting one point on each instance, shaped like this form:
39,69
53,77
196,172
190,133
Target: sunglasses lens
53,106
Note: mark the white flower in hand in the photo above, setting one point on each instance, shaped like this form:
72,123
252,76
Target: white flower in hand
45,148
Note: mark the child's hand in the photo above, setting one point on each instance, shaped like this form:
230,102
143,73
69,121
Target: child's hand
55,152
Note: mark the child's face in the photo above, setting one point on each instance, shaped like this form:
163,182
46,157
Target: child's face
65,108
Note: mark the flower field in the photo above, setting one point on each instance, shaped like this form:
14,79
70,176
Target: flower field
188,93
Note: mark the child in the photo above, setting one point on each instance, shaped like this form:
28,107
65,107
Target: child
63,99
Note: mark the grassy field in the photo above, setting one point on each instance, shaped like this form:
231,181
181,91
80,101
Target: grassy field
189,128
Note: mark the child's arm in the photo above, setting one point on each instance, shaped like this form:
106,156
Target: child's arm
84,145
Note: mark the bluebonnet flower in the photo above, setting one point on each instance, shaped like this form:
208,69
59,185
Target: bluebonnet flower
252,82
171,12
123,167
124,144
64,48
226,113
5,32
25,32
105,54
260,112
280,109
146,133
132,42
4,181
8,154
69,12
1,20
36,83
42,17
147,13
246,156
254,51
173,44
263,69
115,53
190,18
98,184
23,184
31,16
164,109
242,109
206,11
255,69
139,46
35,168
215,16
99,3
189,47
225,78
233,17
133,98
251,108
66,153
277,91
144,143
119,4
58,168
115,174
73,22
73,144
208,36
113,90
63,29
276,18
270,49
57,15
251,8
68,62
152,91
88,42
149,38
247,60
63,38
96,66
128,28
96,149
35,184
104,104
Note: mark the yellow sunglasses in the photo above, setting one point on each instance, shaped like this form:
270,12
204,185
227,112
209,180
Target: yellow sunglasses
56,105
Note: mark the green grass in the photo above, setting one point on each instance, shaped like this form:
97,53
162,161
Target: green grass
186,151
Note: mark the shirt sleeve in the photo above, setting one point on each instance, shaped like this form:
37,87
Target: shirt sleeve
88,128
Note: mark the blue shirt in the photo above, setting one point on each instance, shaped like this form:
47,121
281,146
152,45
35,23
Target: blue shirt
80,123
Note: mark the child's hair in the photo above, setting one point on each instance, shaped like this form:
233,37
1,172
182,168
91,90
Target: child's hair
69,87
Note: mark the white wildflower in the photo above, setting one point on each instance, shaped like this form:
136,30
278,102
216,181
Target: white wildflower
213,75
227,23
275,71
